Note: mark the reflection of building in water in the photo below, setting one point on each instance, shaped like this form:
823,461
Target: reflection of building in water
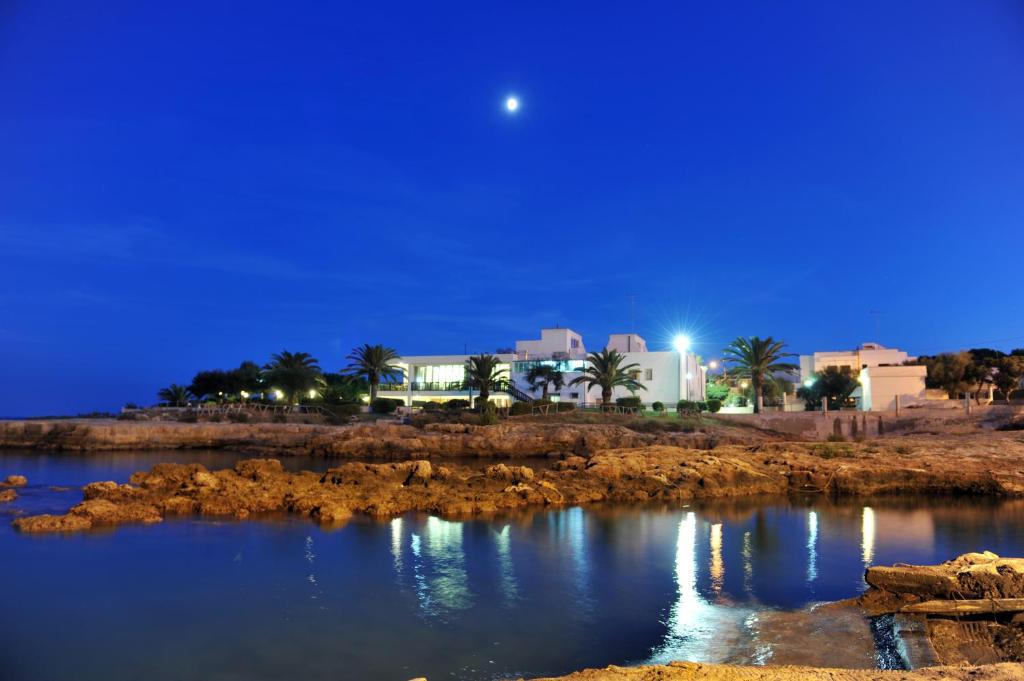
812,546
748,564
717,567
439,567
570,530
915,530
503,541
396,544
694,624
867,535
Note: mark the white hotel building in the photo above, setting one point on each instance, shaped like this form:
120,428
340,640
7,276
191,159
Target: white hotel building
669,376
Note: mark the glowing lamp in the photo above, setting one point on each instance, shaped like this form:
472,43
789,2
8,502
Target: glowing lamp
681,343
809,382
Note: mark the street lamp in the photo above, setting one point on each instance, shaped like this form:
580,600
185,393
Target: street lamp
681,343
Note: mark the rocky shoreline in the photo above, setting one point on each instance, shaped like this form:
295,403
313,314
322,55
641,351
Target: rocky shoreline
989,465
694,671
385,441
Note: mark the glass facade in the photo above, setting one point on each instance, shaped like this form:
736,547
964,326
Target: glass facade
441,373
563,365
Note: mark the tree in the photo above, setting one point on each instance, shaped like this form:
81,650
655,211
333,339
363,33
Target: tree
374,363
341,389
978,371
1009,371
481,372
293,373
833,384
212,384
946,371
543,375
175,395
717,390
605,369
758,359
247,378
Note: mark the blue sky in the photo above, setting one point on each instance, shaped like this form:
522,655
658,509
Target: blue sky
186,185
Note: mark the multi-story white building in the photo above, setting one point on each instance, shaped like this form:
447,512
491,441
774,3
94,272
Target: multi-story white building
668,376
885,378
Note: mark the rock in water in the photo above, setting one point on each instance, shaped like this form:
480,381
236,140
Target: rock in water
14,481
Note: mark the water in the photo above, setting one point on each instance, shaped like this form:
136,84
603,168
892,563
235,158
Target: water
536,593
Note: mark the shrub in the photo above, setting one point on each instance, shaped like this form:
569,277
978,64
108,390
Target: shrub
188,417
702,406
520,409
714,406
279,418
385,405
488,414
565,406
238,417
658,406
632,402
456,404
687,408
431,406
835,437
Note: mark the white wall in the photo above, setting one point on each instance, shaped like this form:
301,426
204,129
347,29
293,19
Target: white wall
880,386
552,341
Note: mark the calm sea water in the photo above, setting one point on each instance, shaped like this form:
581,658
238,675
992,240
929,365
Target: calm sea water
539,593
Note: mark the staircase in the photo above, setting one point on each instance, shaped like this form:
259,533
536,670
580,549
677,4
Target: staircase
510,388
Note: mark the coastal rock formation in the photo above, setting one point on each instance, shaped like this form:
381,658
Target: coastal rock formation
14,481
651,473
505,440
7,496
694,671
969,609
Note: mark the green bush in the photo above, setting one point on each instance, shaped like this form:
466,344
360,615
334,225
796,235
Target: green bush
520,409
658,406
702,405
632,402
456,404
687,408
488,414
385,405
346,409
714,406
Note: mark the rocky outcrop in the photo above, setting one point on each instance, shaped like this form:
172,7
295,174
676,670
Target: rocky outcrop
7,496
695,671
508,439
639,474
14,481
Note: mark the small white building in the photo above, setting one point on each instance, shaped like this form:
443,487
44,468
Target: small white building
669,376
883,374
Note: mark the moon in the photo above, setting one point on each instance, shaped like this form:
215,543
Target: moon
512,104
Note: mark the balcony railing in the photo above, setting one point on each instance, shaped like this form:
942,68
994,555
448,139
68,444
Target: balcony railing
442,386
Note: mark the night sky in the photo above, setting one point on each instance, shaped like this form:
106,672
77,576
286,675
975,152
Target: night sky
187,185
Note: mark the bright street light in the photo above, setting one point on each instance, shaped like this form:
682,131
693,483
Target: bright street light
712,364
809,382
681,343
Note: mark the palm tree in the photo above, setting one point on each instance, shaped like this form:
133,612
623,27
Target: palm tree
175,395
293,373
481,372
758,359
373,362
605,369
543,375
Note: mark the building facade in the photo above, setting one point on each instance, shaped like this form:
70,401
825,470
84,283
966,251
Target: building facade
885,378
668,376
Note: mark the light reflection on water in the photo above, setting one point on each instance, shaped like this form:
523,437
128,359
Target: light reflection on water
532,594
